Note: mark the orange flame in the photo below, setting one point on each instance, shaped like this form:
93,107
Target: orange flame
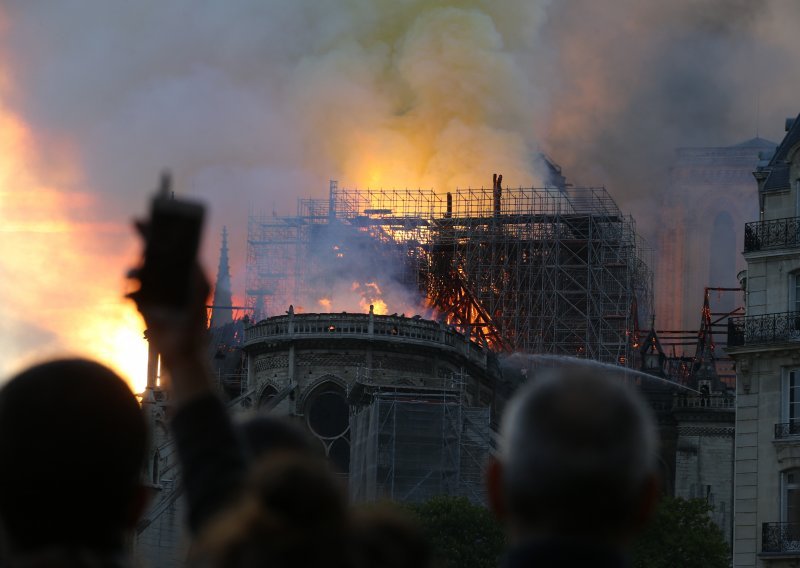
63,293
371,295
379,307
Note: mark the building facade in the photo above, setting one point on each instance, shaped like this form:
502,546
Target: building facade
765,346
402,407
711,196
704,453
334,371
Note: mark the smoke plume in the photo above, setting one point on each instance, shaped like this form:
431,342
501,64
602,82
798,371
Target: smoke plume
636,80
254,103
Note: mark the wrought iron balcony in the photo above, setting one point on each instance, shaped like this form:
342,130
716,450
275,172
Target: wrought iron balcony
767,328
773,234
780,537
720,401
787,430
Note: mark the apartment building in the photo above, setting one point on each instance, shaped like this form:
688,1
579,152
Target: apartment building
765,344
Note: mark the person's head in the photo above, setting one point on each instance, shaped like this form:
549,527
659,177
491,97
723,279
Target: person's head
386,536
577,457
292,512
264,434
72,445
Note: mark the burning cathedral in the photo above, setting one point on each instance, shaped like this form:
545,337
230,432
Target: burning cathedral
382,321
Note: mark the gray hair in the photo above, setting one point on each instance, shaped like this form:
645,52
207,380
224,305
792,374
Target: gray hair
576,446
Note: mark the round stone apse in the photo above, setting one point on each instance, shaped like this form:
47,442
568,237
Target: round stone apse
328,418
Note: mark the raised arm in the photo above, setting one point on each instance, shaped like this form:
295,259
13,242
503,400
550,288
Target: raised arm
209,449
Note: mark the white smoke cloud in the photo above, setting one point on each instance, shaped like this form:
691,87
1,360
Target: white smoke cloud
253,103
634,80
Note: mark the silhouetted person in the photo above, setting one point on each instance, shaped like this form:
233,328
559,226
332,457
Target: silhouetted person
292,512
72,447
211,452
264,434
574,479
215,454
384,536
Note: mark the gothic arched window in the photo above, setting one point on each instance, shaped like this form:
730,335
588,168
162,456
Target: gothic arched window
328,417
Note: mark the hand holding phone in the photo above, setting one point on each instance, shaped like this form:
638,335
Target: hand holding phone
173,292
172,239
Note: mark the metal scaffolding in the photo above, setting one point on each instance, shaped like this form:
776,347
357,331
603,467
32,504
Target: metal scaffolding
413,443
540,270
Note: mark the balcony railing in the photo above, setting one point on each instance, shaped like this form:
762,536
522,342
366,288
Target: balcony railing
787,430
767,328
773,234
780,537
720,401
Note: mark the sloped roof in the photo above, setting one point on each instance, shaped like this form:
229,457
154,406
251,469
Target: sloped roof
652,340
789,141
756,142
778,178
777,169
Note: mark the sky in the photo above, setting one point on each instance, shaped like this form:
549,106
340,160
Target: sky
254,103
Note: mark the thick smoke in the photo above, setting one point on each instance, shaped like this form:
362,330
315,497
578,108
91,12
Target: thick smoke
636,80
349,270
253,103
261,101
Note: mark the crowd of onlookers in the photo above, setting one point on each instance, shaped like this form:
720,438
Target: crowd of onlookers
572,481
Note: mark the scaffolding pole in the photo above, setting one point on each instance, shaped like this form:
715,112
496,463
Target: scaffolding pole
413,443
542,270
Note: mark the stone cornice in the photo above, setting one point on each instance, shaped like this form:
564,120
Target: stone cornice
777,349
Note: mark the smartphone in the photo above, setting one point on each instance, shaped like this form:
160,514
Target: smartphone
172,241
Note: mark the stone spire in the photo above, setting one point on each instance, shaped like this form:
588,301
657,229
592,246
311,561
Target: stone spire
222,289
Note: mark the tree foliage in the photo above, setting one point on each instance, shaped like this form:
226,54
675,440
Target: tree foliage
682,534
463,535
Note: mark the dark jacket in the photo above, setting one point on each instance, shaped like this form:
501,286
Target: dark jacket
555,552
70,558
211,455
